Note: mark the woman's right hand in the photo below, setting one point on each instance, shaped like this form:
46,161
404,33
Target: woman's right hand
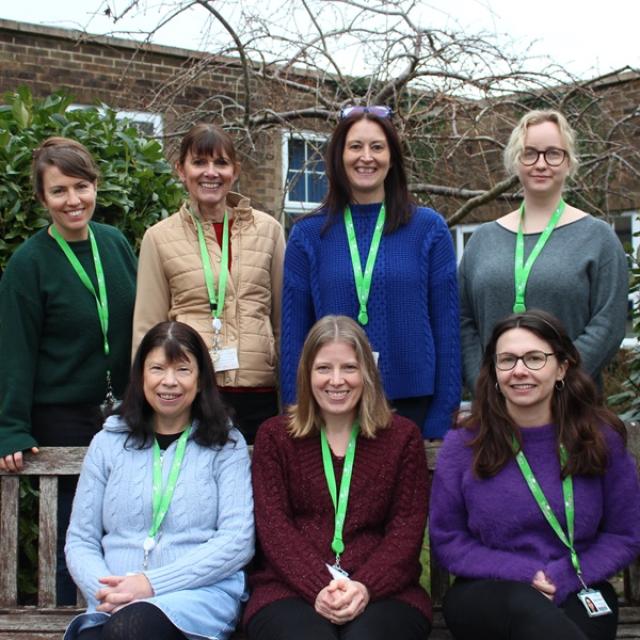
13,462
543,585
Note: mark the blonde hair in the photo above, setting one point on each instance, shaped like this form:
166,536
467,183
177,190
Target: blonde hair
374,412
515,146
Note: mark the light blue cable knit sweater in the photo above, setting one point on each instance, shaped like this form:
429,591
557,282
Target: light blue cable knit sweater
206,538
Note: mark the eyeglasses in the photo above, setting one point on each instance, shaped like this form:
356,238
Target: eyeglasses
533,360
381,111
553,156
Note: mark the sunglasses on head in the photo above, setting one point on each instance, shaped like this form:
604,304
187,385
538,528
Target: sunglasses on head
381,111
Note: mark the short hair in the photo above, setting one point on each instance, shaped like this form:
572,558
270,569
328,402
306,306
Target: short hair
206,139
399,204
373,410
515,146
575,408
177,340
69,156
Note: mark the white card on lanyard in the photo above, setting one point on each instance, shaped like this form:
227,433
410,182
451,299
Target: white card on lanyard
225,359
594,603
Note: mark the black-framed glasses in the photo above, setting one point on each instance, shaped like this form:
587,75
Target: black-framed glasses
382,111
553,156
533,360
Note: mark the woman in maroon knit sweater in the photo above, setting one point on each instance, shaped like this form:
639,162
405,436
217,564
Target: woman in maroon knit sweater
315,579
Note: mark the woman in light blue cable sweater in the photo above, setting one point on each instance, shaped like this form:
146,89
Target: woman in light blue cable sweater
184,578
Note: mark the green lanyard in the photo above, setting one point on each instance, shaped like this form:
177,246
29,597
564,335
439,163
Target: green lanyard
162,499
363,281
541,500
101,296
523,270
340,500
216,303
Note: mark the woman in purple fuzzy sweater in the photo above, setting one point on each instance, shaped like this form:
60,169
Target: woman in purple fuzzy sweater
536,440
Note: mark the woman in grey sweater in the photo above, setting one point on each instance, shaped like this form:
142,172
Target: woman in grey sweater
546,254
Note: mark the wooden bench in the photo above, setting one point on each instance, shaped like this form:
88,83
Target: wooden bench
46,621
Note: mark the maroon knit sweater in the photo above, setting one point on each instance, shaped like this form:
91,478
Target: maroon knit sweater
383,530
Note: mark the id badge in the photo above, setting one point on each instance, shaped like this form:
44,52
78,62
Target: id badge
593,602
337,573
225,359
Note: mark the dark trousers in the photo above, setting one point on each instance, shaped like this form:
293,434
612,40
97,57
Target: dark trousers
250,409
65,426
294,618
137,621
413,408
508,610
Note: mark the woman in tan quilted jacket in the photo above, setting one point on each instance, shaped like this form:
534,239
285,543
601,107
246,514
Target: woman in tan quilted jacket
216,265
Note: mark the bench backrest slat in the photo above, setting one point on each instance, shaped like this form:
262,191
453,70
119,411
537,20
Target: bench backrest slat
9,492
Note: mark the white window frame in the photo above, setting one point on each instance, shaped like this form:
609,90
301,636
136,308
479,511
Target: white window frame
460,231
631,343
296,207
155,119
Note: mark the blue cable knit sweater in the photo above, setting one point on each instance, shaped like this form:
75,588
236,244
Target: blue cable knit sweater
413,306
206,538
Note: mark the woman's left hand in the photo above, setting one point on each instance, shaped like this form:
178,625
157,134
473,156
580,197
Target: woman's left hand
121,590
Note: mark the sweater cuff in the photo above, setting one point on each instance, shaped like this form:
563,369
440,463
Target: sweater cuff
17,442
436,425
562,574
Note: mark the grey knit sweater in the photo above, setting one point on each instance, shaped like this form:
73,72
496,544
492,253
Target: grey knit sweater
580,277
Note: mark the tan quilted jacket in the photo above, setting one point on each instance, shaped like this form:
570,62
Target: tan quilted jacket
171,286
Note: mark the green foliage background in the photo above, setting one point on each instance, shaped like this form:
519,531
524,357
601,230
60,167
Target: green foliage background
136,188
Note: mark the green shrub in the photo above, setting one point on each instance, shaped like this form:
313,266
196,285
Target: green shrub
137,186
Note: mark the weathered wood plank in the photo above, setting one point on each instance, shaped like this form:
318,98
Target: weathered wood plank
47,541
53,461
9,494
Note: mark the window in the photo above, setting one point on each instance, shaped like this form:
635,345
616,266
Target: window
148,123
627,227
305,181
461,234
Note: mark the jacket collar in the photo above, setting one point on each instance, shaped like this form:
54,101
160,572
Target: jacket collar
240,206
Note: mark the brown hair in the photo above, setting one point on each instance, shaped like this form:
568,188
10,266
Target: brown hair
373,409
575,408
72,159
206,139
398,202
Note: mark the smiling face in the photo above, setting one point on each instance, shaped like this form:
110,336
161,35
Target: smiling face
366,160
170,389
528,393
70,201
208,179
336,382
541,178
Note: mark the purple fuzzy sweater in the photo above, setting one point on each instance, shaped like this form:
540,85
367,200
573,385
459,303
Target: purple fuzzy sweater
493,528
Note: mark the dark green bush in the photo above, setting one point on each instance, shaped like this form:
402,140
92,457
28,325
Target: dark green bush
137,186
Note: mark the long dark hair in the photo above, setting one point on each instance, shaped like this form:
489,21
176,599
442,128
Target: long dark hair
575,408
398,202
207,411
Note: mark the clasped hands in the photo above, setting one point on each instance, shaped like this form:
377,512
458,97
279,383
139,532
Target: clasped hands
121,590
342,600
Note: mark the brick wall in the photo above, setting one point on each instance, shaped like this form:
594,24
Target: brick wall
133,77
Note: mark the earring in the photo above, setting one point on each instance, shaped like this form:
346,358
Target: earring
497,386
559,385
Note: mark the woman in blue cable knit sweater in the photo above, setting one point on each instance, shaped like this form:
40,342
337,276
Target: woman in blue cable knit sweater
412,307
178,575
